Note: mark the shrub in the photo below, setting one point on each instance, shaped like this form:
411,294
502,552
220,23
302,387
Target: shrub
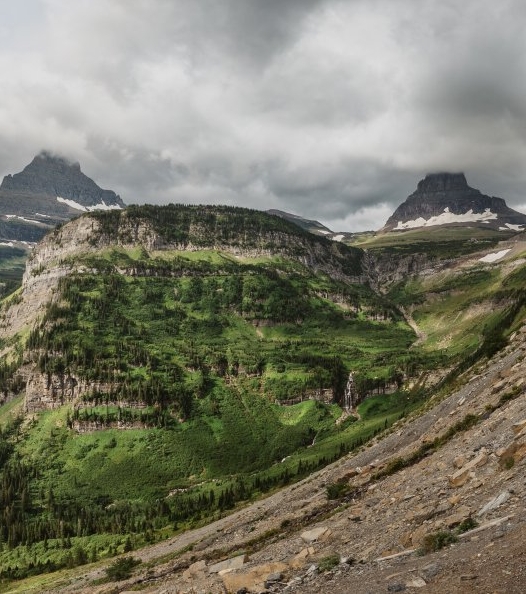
329,562
121,569
508,462
468,524
337,490
437,540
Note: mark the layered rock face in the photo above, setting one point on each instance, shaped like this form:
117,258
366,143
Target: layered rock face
50,190
446,199
239,232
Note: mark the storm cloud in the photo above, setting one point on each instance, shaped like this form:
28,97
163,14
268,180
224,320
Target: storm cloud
328,109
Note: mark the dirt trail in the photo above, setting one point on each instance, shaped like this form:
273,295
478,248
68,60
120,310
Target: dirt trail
421,336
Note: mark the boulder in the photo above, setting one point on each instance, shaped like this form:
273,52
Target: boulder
494,503
462,513
255,579
459,461
320,533
195,570
519,426
416,582
300,559
229,564
514,453
461,476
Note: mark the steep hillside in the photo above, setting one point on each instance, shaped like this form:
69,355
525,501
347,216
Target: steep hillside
161,365
436,504
216,341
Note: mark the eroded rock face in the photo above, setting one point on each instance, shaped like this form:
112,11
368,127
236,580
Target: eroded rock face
62,253
44,391
446,199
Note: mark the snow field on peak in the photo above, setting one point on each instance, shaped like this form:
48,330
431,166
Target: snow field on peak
446,218
77,206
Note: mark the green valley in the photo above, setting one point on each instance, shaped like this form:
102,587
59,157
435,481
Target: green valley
178,361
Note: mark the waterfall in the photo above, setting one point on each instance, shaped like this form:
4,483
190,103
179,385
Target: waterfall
349,398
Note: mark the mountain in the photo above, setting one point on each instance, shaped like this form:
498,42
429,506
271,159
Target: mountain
49,191
307,224
445,199
313,226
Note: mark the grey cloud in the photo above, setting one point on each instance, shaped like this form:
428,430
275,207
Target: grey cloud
332,109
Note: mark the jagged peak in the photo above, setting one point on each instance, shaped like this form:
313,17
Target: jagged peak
50,157
445,198
56,176
442,182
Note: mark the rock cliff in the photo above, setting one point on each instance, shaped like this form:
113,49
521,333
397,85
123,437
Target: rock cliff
238,233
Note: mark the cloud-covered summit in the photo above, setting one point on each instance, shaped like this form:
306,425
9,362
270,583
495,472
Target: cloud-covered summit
328,108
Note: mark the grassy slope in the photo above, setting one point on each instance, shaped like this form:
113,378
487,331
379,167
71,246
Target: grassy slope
115,466
436,241
233,336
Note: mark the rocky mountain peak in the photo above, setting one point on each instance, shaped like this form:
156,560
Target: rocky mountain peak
54,175
446,199
443,182
50,190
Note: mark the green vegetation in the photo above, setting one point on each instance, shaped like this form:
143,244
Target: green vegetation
121,569
466,525
328,562
215,378
12,264
436,541
191,356
442,538
436,242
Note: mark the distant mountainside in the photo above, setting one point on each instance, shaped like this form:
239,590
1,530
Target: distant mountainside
307,224
445,199
48,191
312,226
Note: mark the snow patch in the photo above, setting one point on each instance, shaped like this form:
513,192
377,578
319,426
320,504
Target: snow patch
447,217
494,256
511,227
338,237
8,244
323,231
33,222
77,206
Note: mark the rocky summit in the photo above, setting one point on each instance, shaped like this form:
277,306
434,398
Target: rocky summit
48,191
447,199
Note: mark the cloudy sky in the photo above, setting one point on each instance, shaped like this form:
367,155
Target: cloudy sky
331,109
